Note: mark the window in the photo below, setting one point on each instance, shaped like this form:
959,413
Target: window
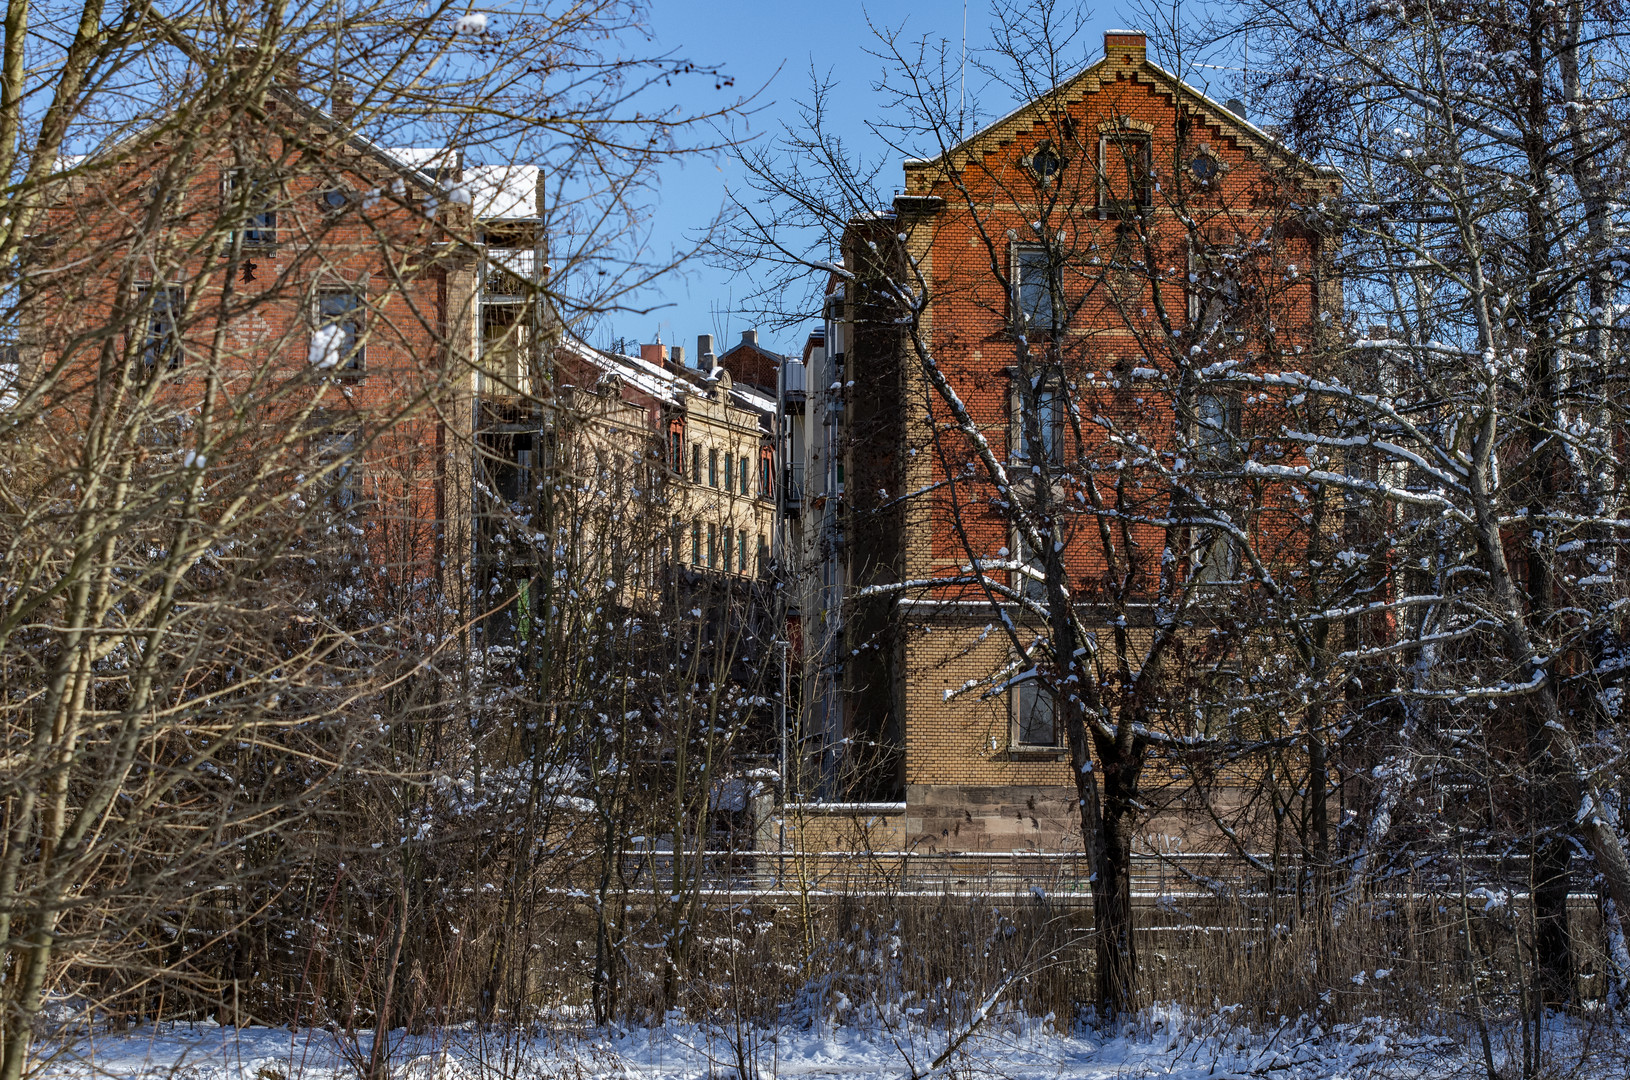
1215,559
333,200
163,305
765,476
1032,585
729,473
696,544
1047,422
1045,164
339,457
250,194
1217,426
696,463
763,555
741,551
336,339
1037,283
746,477
1125,176
713,545
1215,298
676,448
1035,721
713,468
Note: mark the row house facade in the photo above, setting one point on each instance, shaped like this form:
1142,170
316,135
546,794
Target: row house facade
372,321
917,724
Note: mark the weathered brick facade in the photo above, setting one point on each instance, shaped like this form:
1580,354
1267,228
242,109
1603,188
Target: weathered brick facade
1155,191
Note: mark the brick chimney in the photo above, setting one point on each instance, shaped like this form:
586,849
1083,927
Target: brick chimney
1125,47
656,354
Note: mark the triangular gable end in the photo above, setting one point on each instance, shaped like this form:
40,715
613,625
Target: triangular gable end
1125,56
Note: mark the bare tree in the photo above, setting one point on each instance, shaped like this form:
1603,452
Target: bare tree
1092,304
234,499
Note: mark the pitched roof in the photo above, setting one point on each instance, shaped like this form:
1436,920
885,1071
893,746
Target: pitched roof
1092,77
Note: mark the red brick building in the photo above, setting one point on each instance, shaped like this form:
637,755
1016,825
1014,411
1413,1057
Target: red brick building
1089,268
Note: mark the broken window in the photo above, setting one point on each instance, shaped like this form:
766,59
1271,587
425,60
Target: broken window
161,344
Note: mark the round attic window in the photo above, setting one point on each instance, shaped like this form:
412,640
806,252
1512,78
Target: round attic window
1204,167
1046,163
334,199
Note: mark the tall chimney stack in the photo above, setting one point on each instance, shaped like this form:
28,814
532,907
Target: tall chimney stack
704,352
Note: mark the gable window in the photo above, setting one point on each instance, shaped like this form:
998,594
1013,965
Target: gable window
161,344
250,194
1036,285
1035,715
1125,174
336,336
1039,426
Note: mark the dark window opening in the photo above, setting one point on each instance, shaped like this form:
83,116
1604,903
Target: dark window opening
162,342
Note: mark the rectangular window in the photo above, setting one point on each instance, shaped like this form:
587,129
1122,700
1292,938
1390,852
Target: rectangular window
163,305
676,450
696,463
741,551
1125,174
1039,428
1037,283
1215,301
1036,721
336,337
1031,585
713,546
1217,427
763,555
746,477
250,195
696,544
339,457
764,477
729,473
713,468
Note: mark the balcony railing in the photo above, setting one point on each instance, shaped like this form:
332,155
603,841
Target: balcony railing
792,483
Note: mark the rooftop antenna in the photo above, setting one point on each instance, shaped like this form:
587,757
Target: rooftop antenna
962,95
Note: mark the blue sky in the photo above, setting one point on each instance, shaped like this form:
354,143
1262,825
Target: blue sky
763,43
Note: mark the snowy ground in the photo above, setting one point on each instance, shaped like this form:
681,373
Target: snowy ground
1162,1043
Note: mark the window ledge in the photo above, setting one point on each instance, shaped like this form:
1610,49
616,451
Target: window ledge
1036,753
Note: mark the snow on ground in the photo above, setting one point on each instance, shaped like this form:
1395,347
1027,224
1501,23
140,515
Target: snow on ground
1164,1043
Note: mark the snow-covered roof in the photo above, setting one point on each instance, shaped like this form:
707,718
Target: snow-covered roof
424,157
751,398
660,383
502,191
